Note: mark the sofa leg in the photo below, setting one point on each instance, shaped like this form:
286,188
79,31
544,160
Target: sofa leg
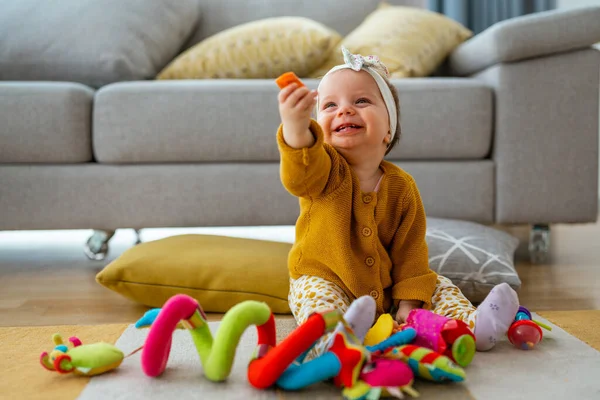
138,239
539,243
96,246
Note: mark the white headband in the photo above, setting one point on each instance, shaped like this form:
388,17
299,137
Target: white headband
375,68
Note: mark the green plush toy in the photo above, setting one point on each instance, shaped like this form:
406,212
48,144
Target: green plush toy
85,360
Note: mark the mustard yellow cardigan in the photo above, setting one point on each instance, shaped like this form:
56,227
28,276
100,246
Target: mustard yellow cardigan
366,243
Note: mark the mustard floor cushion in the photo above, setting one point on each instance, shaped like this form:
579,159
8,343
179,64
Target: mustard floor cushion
218,271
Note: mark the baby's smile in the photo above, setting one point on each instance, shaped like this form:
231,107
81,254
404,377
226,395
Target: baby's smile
348,128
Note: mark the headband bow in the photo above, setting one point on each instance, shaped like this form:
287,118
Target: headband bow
358,62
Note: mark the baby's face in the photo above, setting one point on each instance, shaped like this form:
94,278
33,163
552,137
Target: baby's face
352,112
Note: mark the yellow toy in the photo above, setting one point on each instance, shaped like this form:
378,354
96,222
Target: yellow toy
84,360
383,329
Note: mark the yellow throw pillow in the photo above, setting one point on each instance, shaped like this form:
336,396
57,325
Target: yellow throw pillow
218,271
262,49
411,42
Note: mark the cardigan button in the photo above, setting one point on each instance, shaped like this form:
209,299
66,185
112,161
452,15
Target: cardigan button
369,261
374,294
367,199
366,231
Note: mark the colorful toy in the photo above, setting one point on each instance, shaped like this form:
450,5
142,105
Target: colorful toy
400,338
427,364
525,333
288,78
84,360
360,373
382,377
216,354
346,354
446,336
379,332
424,362
282,363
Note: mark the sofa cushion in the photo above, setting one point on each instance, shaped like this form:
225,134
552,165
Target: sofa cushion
204,194
236,120
411,42
45,122
92,42
259,49
474,257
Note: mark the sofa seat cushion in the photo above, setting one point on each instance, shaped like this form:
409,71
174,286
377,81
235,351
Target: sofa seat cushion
236,120
92,42
45,122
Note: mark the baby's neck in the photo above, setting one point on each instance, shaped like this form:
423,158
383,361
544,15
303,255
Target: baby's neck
368,176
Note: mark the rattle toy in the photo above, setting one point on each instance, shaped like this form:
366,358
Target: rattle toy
84,360
288,78
525,333
446,336
216,354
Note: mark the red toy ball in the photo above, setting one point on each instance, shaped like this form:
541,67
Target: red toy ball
525,334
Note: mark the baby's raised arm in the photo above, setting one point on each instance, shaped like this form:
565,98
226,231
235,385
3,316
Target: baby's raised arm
296,102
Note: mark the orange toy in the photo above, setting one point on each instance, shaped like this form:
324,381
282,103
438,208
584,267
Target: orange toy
287,78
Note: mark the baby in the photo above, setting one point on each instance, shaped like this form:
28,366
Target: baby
361,229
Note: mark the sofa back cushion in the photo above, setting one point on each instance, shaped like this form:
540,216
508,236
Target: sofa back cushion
92,42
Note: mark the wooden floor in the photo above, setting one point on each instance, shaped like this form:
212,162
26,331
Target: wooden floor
46,280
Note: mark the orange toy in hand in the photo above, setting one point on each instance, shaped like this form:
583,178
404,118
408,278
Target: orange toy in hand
288,78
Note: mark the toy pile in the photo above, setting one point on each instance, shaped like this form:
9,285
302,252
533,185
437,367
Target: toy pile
365,360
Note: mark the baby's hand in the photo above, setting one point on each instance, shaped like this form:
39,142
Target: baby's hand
295,106
405,307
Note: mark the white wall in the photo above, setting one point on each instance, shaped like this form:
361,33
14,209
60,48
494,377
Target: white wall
582,3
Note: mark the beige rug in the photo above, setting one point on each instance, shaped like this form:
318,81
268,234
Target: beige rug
562,366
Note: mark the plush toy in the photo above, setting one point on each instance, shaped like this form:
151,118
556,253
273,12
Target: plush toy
345,353
379,332
400,338
271,360
216,354
424,362
427,364
446,336
382,377
85,360
525,333
360,374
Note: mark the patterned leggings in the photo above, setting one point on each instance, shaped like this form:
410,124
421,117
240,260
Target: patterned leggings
309,294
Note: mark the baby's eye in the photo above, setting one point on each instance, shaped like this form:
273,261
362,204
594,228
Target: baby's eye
329,105
362,100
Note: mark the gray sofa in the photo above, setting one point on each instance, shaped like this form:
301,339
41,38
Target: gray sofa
507,135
